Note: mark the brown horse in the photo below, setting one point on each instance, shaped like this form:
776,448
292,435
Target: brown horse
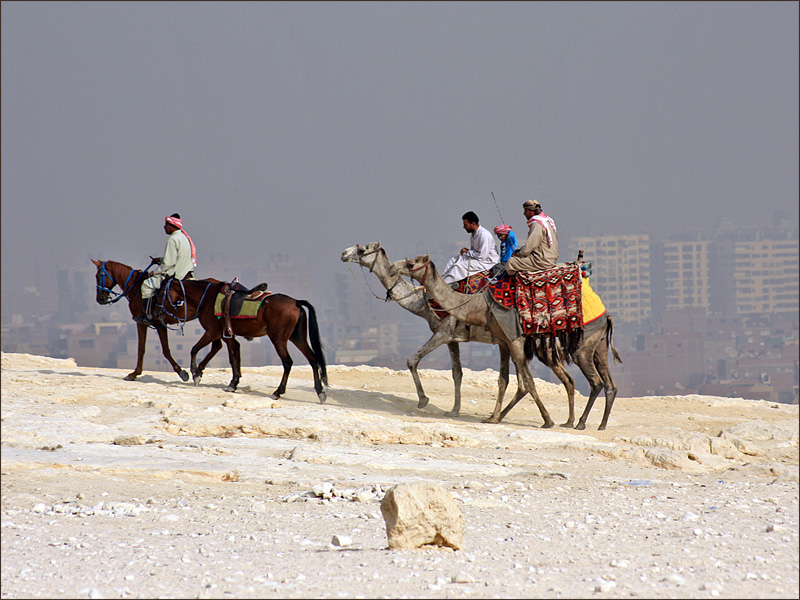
111,274
280,317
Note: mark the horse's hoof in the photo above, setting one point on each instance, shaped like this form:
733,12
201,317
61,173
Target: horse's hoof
196,380
423,402
322,398
275,395
130,377
230,388
184,375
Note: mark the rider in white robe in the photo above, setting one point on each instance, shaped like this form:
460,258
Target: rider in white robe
481,255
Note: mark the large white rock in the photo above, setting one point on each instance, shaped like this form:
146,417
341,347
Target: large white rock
419,514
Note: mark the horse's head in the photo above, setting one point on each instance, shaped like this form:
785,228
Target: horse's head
105,282
363,255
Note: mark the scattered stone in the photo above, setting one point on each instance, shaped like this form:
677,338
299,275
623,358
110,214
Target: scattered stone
419,514
130,440
605,586
342,541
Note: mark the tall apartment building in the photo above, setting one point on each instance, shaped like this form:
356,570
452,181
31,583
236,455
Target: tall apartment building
620,273
765,276
686,275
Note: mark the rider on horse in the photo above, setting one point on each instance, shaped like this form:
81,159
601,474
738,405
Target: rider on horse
179,260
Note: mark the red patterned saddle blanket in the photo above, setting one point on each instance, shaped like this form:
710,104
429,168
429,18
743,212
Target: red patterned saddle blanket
550,301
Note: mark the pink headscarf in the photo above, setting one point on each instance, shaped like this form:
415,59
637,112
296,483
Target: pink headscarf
502,229
177,223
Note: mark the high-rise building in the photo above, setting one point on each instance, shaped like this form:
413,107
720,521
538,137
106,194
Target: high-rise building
765,276
620,273
686,275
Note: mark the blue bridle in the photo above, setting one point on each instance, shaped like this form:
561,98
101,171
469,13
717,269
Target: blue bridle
125,289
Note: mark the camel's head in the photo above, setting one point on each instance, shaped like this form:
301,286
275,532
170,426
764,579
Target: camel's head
412,267
363,255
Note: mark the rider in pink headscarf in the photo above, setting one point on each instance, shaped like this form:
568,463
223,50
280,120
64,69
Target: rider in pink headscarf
508,241
179,261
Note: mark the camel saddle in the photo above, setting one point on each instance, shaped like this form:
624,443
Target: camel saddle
235,301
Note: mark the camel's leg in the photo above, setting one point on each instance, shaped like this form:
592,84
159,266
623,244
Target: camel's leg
585,362
162,335
235,359
205,339
601,364
569,385
526,381
436,340
458,375
502,385
141,334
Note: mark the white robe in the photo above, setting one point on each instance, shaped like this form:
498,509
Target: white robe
481,256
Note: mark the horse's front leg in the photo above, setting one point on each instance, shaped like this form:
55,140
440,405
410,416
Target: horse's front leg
162,335
141,334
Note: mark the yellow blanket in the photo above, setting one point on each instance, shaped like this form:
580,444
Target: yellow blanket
592,305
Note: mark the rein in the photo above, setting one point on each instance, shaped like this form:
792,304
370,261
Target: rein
181,321
388,297
426,267
125,289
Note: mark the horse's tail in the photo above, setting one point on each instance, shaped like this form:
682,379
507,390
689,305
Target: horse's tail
609,334
316,342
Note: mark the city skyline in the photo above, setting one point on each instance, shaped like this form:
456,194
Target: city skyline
305,128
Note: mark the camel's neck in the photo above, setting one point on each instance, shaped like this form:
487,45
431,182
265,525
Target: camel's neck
405,294
470,308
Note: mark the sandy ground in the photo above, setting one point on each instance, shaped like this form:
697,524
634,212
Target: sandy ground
160,489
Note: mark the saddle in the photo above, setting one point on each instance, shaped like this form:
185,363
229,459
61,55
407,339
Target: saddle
235,301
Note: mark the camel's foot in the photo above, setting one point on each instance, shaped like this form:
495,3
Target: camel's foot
130,377
322,397
453,413
548,424
183,375
568,424
491,419
423,402
601,428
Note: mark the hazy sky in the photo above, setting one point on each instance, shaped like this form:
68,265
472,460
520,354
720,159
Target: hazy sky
309,127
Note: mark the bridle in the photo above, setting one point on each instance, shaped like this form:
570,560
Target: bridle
411,270
101,286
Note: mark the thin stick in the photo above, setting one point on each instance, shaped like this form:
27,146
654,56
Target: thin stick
502,220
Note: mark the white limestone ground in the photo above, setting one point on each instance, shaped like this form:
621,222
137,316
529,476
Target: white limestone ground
157,488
